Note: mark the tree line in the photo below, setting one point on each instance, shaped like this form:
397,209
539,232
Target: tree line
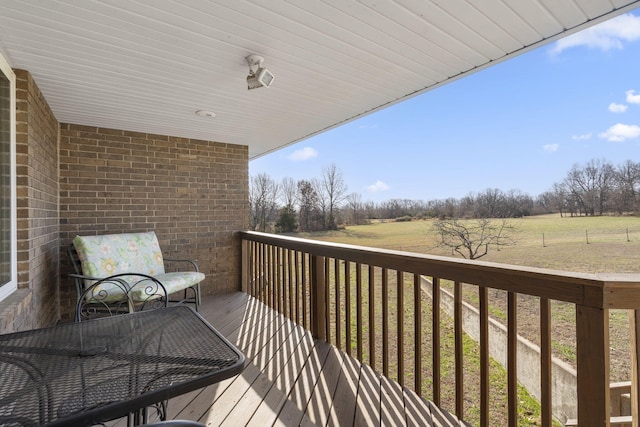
324,203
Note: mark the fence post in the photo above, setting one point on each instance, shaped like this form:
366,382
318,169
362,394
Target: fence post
318,298
245,266
592,336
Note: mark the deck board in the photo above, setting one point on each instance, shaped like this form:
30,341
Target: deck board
292,379
319,406
297,402
277,396
392,411
368,399
344,401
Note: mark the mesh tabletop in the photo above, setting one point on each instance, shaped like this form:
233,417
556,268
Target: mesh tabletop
105,368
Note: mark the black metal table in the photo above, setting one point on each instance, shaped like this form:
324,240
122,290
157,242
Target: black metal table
97,370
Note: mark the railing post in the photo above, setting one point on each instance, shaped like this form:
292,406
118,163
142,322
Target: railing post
245,266
318,298
634,331
592,336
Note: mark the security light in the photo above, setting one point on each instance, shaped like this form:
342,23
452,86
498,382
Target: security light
260,76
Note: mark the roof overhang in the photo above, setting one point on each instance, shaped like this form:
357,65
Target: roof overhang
148,65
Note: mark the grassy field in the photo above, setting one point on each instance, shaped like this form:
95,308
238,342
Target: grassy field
565,242
593,245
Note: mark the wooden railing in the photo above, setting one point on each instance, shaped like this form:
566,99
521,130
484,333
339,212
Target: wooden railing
349,296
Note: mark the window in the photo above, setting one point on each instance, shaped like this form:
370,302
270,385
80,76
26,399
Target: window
8,247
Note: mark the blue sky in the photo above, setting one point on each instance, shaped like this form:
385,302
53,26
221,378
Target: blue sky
521,124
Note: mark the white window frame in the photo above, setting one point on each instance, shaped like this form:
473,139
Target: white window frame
8,288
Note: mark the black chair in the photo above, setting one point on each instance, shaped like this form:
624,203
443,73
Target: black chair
120,294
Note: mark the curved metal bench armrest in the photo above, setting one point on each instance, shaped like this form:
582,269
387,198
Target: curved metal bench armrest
80,277
83,277
79,280
123,293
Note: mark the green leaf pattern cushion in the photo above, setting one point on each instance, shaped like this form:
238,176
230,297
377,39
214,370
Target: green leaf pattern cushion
106,255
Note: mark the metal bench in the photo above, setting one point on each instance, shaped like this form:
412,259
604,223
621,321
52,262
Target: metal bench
96,257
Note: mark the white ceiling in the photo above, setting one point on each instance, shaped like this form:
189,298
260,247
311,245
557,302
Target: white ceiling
148,65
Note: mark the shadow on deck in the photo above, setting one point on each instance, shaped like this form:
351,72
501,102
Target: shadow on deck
291,379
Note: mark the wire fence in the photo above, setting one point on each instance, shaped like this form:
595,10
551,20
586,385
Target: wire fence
591,235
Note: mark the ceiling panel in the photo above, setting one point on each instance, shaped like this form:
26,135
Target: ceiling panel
148,65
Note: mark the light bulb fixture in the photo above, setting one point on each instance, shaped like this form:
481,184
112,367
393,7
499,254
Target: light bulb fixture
205,113
258,76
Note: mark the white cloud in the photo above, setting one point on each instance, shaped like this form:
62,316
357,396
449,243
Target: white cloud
621,132
605,36
632,98
582,137
551,148
305,154
378,186
617,108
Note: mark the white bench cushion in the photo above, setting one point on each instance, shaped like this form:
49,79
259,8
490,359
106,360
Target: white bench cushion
178,281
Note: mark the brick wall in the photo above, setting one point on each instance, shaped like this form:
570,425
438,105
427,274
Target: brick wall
192,193
37,191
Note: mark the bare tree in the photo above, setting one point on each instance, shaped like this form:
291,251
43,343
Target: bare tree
472,238
559,197
449,208
333,191
263,195
321,203
309,214
288,192
591,185
489,204
287,216
627,182
356,208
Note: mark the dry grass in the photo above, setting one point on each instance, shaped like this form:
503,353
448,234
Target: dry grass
565,242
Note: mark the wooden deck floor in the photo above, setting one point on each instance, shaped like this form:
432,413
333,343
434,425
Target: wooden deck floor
291,379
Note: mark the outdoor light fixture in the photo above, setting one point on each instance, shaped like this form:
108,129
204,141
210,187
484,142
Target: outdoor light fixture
205,113
258,75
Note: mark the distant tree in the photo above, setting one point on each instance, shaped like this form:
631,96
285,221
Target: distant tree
559,198
309,211
356,213
591,186
320,216
517,204
467,207
489,204
263,195
449,208
287,221
288,192
595,188
472,238
333,192
370,210
626,198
